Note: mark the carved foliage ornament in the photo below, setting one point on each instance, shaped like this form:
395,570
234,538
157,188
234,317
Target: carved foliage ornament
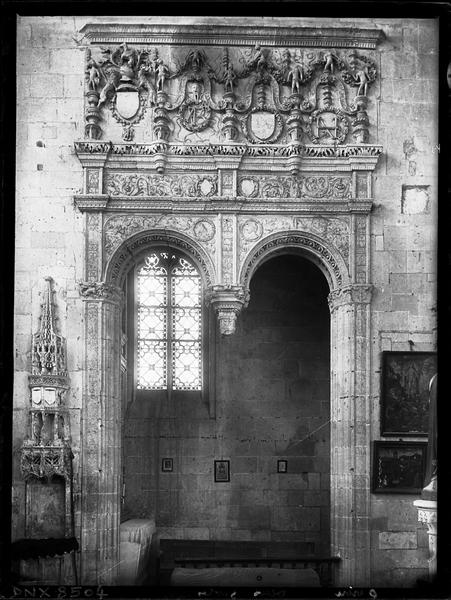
125,184
283,186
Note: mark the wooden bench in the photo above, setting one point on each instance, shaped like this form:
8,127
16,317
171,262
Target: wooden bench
204,554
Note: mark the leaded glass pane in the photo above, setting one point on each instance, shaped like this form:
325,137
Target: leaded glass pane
152,290
186,323
186,358
152,323
186,291
152,367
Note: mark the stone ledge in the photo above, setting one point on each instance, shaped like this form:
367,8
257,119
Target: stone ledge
239,35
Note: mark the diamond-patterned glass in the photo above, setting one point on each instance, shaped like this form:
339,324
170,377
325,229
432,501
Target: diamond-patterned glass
169,321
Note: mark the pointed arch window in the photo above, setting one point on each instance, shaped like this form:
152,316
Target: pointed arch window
168,297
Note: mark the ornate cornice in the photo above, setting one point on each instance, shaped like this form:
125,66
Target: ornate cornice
211,35
87,148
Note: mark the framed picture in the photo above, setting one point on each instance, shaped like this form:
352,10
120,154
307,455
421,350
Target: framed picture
167,465
405,392
399,467
222,471
282,466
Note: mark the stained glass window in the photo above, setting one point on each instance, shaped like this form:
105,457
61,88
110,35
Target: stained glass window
169,323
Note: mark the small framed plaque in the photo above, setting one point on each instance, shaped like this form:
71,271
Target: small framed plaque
167,465
222,471
282,466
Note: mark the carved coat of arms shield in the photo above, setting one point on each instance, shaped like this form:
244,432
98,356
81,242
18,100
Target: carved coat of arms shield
127,104
262,124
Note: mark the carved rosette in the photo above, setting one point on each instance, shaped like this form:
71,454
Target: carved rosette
228,301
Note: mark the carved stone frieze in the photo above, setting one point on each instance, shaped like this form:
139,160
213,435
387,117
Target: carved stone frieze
258,93
174,185
322,187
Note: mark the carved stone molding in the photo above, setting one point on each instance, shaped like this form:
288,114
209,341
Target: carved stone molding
228,301
100,290
138,243
340,37
333,266
351,294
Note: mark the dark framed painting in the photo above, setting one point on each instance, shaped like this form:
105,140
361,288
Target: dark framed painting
405,392
222,471
399,467
167,465
282,466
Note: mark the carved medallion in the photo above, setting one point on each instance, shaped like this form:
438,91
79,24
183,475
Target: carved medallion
204,230
251,230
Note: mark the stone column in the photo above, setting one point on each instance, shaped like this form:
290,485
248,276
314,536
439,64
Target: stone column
100,431
350,432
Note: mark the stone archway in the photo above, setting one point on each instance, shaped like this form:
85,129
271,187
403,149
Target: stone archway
350,436
349,305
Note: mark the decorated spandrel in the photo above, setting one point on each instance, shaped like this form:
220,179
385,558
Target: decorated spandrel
169,324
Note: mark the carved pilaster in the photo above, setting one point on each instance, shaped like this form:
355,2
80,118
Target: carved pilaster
100,432
350,432
228,301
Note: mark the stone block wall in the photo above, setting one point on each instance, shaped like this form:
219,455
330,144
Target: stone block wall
403,256
272,404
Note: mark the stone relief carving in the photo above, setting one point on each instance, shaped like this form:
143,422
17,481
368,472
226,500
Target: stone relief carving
143,184
100,290
323,187
333,229
260,94
120,227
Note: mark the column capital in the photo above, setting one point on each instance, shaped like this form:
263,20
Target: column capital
100,291
228,301
357,293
